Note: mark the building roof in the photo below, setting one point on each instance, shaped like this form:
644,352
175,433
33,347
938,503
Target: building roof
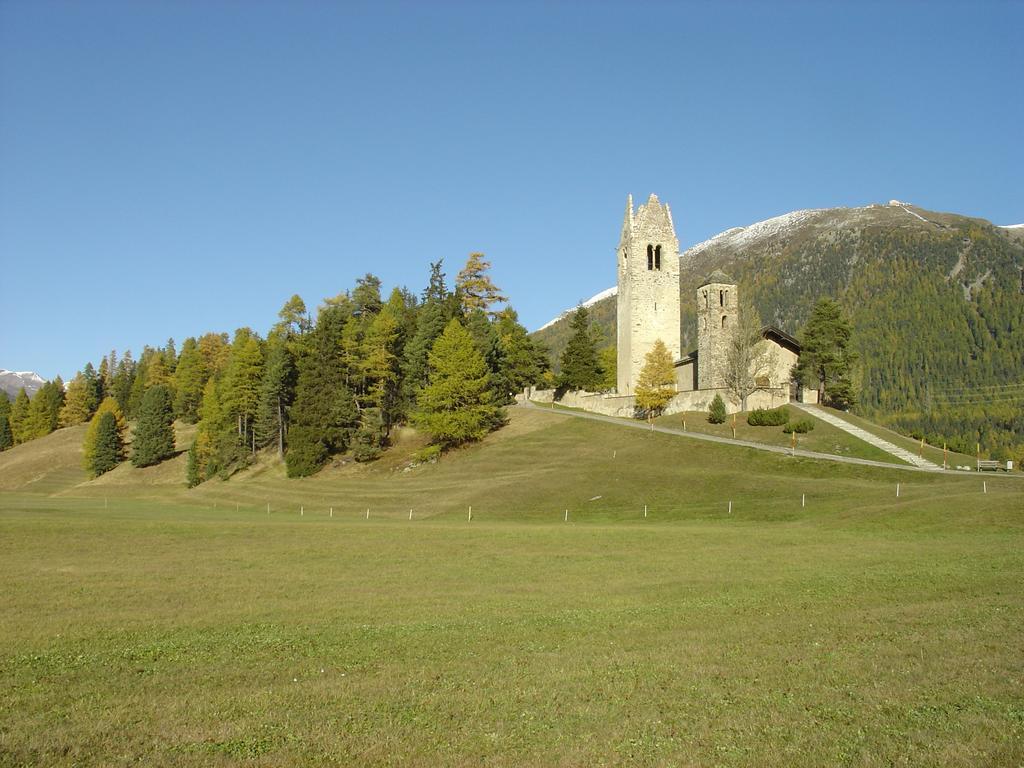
781,338
719,277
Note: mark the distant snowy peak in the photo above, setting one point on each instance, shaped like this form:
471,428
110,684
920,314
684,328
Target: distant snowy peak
740,236
12,381
1011,226
588,303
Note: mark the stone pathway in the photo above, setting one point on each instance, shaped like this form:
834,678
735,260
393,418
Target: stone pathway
867,437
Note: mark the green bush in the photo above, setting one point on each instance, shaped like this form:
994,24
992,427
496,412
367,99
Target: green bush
801,427
774,417
716,413
427,455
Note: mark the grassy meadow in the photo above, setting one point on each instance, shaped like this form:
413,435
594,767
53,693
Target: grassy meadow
148,624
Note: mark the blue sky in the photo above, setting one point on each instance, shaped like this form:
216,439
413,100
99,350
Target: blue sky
170,168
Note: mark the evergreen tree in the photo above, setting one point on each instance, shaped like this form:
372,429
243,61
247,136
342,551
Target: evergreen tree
380,368
293,319
138,384
324,414
366,296
826,355
109,405
277,390
79,401
240,392
523,360
716,413
580,369
95,386
44,409
189,380
106,450
19,417
170,356
432,316
216,444
457,405
124,381
6,433
154,433
215,350
656,384
475,287
608,359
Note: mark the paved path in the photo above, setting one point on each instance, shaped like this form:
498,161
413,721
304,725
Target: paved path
630,424
867,437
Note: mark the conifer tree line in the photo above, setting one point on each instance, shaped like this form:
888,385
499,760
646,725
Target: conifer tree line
445,360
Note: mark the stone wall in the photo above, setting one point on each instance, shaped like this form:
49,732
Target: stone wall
625,405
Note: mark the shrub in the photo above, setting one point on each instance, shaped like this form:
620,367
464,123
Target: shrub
716,413
427,455
800,427
774,417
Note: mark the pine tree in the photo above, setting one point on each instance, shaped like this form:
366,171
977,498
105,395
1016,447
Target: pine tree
240,392
293,319
656,384
216,350
189,380
6,433
826,355
608,359
109,405
716,413
95,385
154,433
380,369
44,409
79,401
366,296
138,384
19,417
431,318
106,450
580,369
523,360
324,414
277,390
123,382
475,287
457,405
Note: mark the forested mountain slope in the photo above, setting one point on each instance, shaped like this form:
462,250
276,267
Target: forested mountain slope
936,301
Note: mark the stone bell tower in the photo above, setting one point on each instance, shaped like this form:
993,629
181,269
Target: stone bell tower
648,298
717,307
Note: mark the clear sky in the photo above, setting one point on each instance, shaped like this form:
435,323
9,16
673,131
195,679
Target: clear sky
170,168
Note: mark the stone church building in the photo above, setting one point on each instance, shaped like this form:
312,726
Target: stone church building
648,310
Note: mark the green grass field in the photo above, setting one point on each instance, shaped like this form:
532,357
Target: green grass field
148,624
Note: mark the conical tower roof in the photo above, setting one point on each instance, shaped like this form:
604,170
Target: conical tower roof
718,277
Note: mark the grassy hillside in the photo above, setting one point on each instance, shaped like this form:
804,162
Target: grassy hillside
934,298
860,629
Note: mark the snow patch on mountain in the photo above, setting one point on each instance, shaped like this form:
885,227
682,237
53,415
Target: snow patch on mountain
738,237
588,303
12,381
1011,226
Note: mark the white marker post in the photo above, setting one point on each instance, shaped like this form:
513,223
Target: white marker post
470,519
730,507
410,514
897,490
567,515
614,454
367,513
302,511
332,511
645,511
268,507
803,500
984,486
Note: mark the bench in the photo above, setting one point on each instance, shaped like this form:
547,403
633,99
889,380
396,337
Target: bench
994,465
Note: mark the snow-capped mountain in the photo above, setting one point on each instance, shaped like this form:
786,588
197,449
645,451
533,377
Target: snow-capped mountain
606,293
12,381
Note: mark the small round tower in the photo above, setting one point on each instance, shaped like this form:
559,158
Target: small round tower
717,308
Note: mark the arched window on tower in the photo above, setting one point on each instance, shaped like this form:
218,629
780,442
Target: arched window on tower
724,318
657,257
650,257
721,298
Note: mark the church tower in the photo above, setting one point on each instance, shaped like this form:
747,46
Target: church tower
648,298
717,308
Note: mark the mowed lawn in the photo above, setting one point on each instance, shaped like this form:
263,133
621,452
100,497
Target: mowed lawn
860,630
